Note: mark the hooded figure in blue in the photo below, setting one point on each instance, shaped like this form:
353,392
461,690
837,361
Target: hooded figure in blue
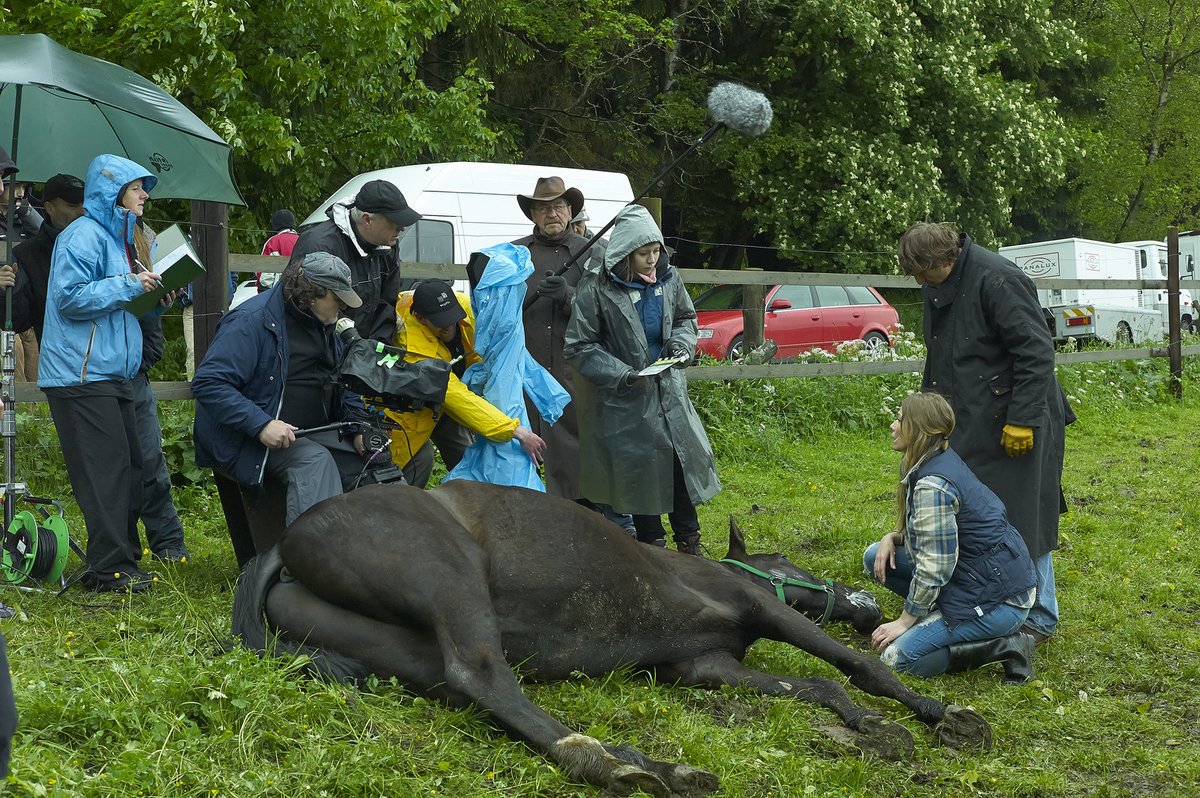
91,351
642,448
507,372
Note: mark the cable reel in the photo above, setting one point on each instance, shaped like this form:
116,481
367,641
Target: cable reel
33,551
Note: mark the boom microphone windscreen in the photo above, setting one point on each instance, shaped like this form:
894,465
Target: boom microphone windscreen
739,108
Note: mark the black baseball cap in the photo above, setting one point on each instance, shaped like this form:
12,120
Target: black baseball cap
435,300
382,197
64,187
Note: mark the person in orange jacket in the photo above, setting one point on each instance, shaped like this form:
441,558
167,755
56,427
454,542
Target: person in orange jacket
434,321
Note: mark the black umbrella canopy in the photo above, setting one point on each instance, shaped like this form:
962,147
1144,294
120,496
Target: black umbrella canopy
60,109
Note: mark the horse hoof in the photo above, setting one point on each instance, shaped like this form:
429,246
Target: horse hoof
883,738
691,782
628,779
964,728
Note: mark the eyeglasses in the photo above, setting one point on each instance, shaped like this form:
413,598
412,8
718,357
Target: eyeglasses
553,207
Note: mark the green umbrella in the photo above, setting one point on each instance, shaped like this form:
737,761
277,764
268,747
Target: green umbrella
60,109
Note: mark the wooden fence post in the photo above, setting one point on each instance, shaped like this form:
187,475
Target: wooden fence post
1174,344
210,296
753,314
654,205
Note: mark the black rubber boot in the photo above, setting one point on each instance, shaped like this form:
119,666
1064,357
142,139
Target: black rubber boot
1015,652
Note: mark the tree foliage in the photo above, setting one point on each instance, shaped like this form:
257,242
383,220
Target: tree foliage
1141,168
889,113
886,112
307,92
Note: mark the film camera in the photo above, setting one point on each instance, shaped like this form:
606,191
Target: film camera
379,374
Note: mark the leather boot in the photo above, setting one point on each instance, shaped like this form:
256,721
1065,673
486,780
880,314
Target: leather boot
689,545
1015,652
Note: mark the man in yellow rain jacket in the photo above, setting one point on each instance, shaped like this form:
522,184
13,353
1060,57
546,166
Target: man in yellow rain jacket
436,322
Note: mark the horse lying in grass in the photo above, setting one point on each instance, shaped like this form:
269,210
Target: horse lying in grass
443,589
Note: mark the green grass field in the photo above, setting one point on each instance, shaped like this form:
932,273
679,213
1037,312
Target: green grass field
128,697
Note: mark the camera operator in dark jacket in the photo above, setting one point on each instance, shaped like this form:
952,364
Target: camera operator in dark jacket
62,200
269,372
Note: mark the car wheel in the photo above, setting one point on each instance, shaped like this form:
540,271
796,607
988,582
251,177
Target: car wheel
875,341
734,353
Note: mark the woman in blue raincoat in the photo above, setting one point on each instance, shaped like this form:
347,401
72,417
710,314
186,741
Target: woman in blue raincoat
91,351
643,449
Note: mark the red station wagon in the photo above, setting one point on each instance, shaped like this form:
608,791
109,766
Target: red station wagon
798,318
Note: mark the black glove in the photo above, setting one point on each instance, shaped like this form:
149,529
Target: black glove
627,380
555,287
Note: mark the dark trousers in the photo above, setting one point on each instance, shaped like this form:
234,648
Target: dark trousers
310,473
99,441
684,520
164,530
451,439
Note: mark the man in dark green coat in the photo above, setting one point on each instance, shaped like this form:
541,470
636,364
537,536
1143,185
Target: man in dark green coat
990,354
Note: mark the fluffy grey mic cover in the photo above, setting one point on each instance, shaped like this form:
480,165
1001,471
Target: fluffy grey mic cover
742,109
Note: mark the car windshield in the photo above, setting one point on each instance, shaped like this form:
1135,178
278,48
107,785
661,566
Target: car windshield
720,297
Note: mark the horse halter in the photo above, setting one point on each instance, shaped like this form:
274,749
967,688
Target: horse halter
780,581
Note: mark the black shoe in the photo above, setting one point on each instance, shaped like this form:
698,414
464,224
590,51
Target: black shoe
689,545
132,581
1014,651
6,611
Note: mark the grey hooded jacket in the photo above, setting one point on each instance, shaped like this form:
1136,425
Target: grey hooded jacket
628,434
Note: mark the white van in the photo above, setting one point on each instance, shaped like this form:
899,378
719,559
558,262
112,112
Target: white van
469,206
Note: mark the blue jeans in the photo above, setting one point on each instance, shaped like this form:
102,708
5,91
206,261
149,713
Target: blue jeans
1043,616
924,649
623,520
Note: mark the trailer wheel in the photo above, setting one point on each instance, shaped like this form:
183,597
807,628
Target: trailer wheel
1124,333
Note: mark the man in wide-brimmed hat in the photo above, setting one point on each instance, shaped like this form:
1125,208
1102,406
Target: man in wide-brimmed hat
551,207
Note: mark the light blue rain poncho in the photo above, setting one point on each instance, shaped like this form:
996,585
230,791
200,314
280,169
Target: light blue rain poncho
507,372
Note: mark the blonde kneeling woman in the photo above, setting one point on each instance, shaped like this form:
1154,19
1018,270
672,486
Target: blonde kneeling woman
962,568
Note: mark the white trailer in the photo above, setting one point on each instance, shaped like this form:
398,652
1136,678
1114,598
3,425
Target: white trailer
1152,265
1189,254
1088,313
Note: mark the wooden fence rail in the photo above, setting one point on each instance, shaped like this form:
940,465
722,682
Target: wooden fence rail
26,392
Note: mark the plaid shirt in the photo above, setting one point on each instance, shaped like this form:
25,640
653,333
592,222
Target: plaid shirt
931,536
932,539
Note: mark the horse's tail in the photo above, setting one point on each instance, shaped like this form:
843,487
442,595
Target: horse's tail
252,627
